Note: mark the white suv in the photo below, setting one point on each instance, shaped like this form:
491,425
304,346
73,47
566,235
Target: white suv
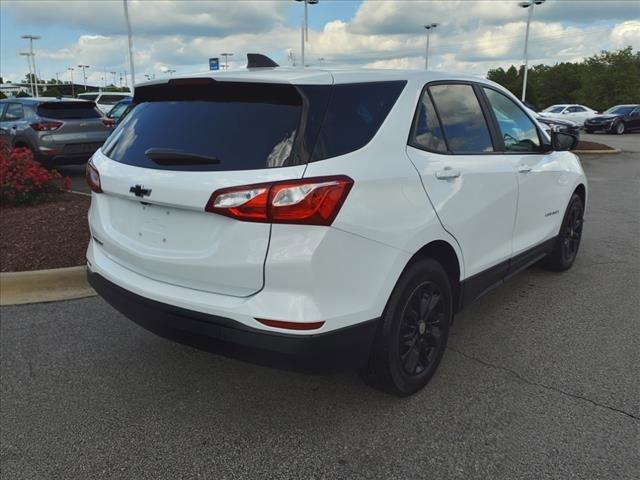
325,219
104,100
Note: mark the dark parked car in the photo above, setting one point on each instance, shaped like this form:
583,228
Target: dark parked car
58,131
618,119
556,125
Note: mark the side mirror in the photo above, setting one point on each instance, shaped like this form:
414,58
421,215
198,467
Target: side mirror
565,112
561,141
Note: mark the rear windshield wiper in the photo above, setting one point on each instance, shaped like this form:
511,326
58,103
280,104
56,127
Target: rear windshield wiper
169,156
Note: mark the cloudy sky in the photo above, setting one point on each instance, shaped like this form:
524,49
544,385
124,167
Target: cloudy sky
472,37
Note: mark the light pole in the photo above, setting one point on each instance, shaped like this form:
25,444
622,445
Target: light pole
305,28
114,77
226,59
429,27
84,74
71,69
130,40
31,38
28,55
528,4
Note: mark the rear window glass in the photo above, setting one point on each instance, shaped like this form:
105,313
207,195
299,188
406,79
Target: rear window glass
354,115
88,96
110,99
68,110
242,126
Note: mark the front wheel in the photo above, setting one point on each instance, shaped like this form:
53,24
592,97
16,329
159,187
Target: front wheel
413,331
567,243
619,128
588,130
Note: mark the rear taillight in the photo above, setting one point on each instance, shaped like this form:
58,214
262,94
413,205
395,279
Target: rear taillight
46,126
309,201
109,122
93,177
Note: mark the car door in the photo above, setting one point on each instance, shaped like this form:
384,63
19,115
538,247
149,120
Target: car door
14,120
578,114
634,118
542,183
472,188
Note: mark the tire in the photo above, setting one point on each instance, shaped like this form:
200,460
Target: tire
413,331
588,130
565,250
619,128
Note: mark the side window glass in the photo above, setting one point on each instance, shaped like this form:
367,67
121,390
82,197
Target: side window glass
578,109
14,112
518,131
463,122
427,133
3,107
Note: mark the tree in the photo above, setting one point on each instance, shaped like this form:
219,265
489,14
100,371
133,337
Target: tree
599,82
51,91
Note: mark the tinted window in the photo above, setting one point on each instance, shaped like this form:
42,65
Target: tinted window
14,112
619,110
427,133
68,110
243,125
464,125
354,115
118,110
554,109
109,99
578,109
88,96
518,131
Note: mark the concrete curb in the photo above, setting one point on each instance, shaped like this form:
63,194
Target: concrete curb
599,152
18,288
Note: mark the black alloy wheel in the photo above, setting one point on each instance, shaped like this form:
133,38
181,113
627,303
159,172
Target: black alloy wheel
572,232
421,329
413,330
567,243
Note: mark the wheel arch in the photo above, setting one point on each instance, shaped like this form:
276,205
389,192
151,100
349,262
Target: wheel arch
581,191
446,255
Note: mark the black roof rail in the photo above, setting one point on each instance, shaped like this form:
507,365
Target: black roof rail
257,60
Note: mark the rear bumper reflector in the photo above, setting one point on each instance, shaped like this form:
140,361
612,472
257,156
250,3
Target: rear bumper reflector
291,325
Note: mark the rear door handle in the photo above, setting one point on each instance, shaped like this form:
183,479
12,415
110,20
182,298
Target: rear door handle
447,173
524,168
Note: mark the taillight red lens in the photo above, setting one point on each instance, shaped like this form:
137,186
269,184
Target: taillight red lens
248,202
93,178
308,201
109,122
46,126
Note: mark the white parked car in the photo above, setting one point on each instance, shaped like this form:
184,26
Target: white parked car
575,113
326,219
104,100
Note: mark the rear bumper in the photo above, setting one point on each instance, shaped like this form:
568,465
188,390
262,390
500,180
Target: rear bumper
341,349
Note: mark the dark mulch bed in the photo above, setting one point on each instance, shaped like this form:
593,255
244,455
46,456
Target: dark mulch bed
53,234
584,145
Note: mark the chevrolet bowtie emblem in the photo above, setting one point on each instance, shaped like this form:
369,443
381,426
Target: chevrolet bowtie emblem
140,191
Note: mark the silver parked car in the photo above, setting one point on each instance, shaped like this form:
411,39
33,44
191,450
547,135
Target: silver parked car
58,131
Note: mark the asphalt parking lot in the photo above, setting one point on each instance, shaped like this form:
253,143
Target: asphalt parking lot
540,381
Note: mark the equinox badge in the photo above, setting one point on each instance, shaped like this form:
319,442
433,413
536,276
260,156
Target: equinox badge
140,191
